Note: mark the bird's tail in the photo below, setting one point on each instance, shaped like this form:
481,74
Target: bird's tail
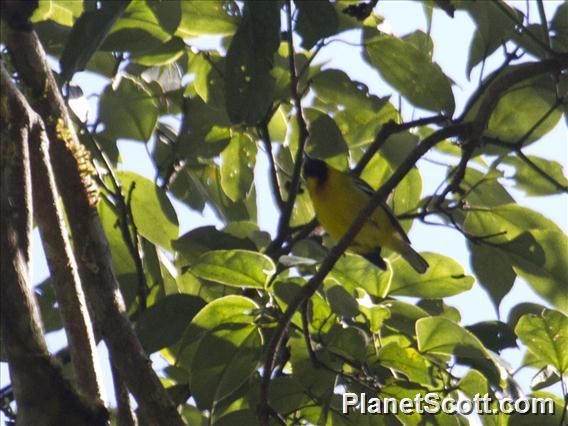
414,259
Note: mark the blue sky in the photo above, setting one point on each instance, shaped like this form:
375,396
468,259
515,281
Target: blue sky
451,40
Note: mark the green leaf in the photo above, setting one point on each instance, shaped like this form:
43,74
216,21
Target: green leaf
194,243
286,394
238,417
522,108
376,316
439,335
249,85
506,222
236,268
406,196
224,349
353,271
531,182
357,113
325,140
335,87
207,17
421,41
50,313
521,309
541,258
63,12
546,336
341,302
153,212
408,361
163,54
316,382
493,29
403,316
493,270
128,111
484,189
162,324
445,277
316,20
410,71
122,261
237,168
437,307
303,210
474,383
559,29
87,35
144,25
348,343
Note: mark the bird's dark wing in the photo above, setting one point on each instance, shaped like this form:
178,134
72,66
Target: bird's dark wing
367,189
394,221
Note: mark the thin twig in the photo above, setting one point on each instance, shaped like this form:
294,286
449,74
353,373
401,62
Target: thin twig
125,215
306,333
541,172
265,135
544,23
284,222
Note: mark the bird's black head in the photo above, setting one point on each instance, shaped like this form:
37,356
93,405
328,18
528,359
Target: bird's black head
315,168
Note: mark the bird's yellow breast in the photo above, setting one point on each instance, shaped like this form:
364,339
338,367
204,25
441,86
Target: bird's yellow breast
337,201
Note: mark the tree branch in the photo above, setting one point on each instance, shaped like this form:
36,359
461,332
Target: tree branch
74,177
43,394
125,414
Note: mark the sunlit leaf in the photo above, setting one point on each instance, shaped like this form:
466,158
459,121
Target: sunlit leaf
529,180
128,111
237,168
353,271
153,213
163,54
238,268
222,349
546,337
440,335
445,277
410,71
408,361
207,17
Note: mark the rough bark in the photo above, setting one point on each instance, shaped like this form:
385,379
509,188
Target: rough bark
44,396
73,175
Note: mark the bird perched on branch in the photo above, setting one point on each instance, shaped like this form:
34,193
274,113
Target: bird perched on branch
338,198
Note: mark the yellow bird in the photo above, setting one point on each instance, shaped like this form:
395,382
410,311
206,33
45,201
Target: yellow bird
339,197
